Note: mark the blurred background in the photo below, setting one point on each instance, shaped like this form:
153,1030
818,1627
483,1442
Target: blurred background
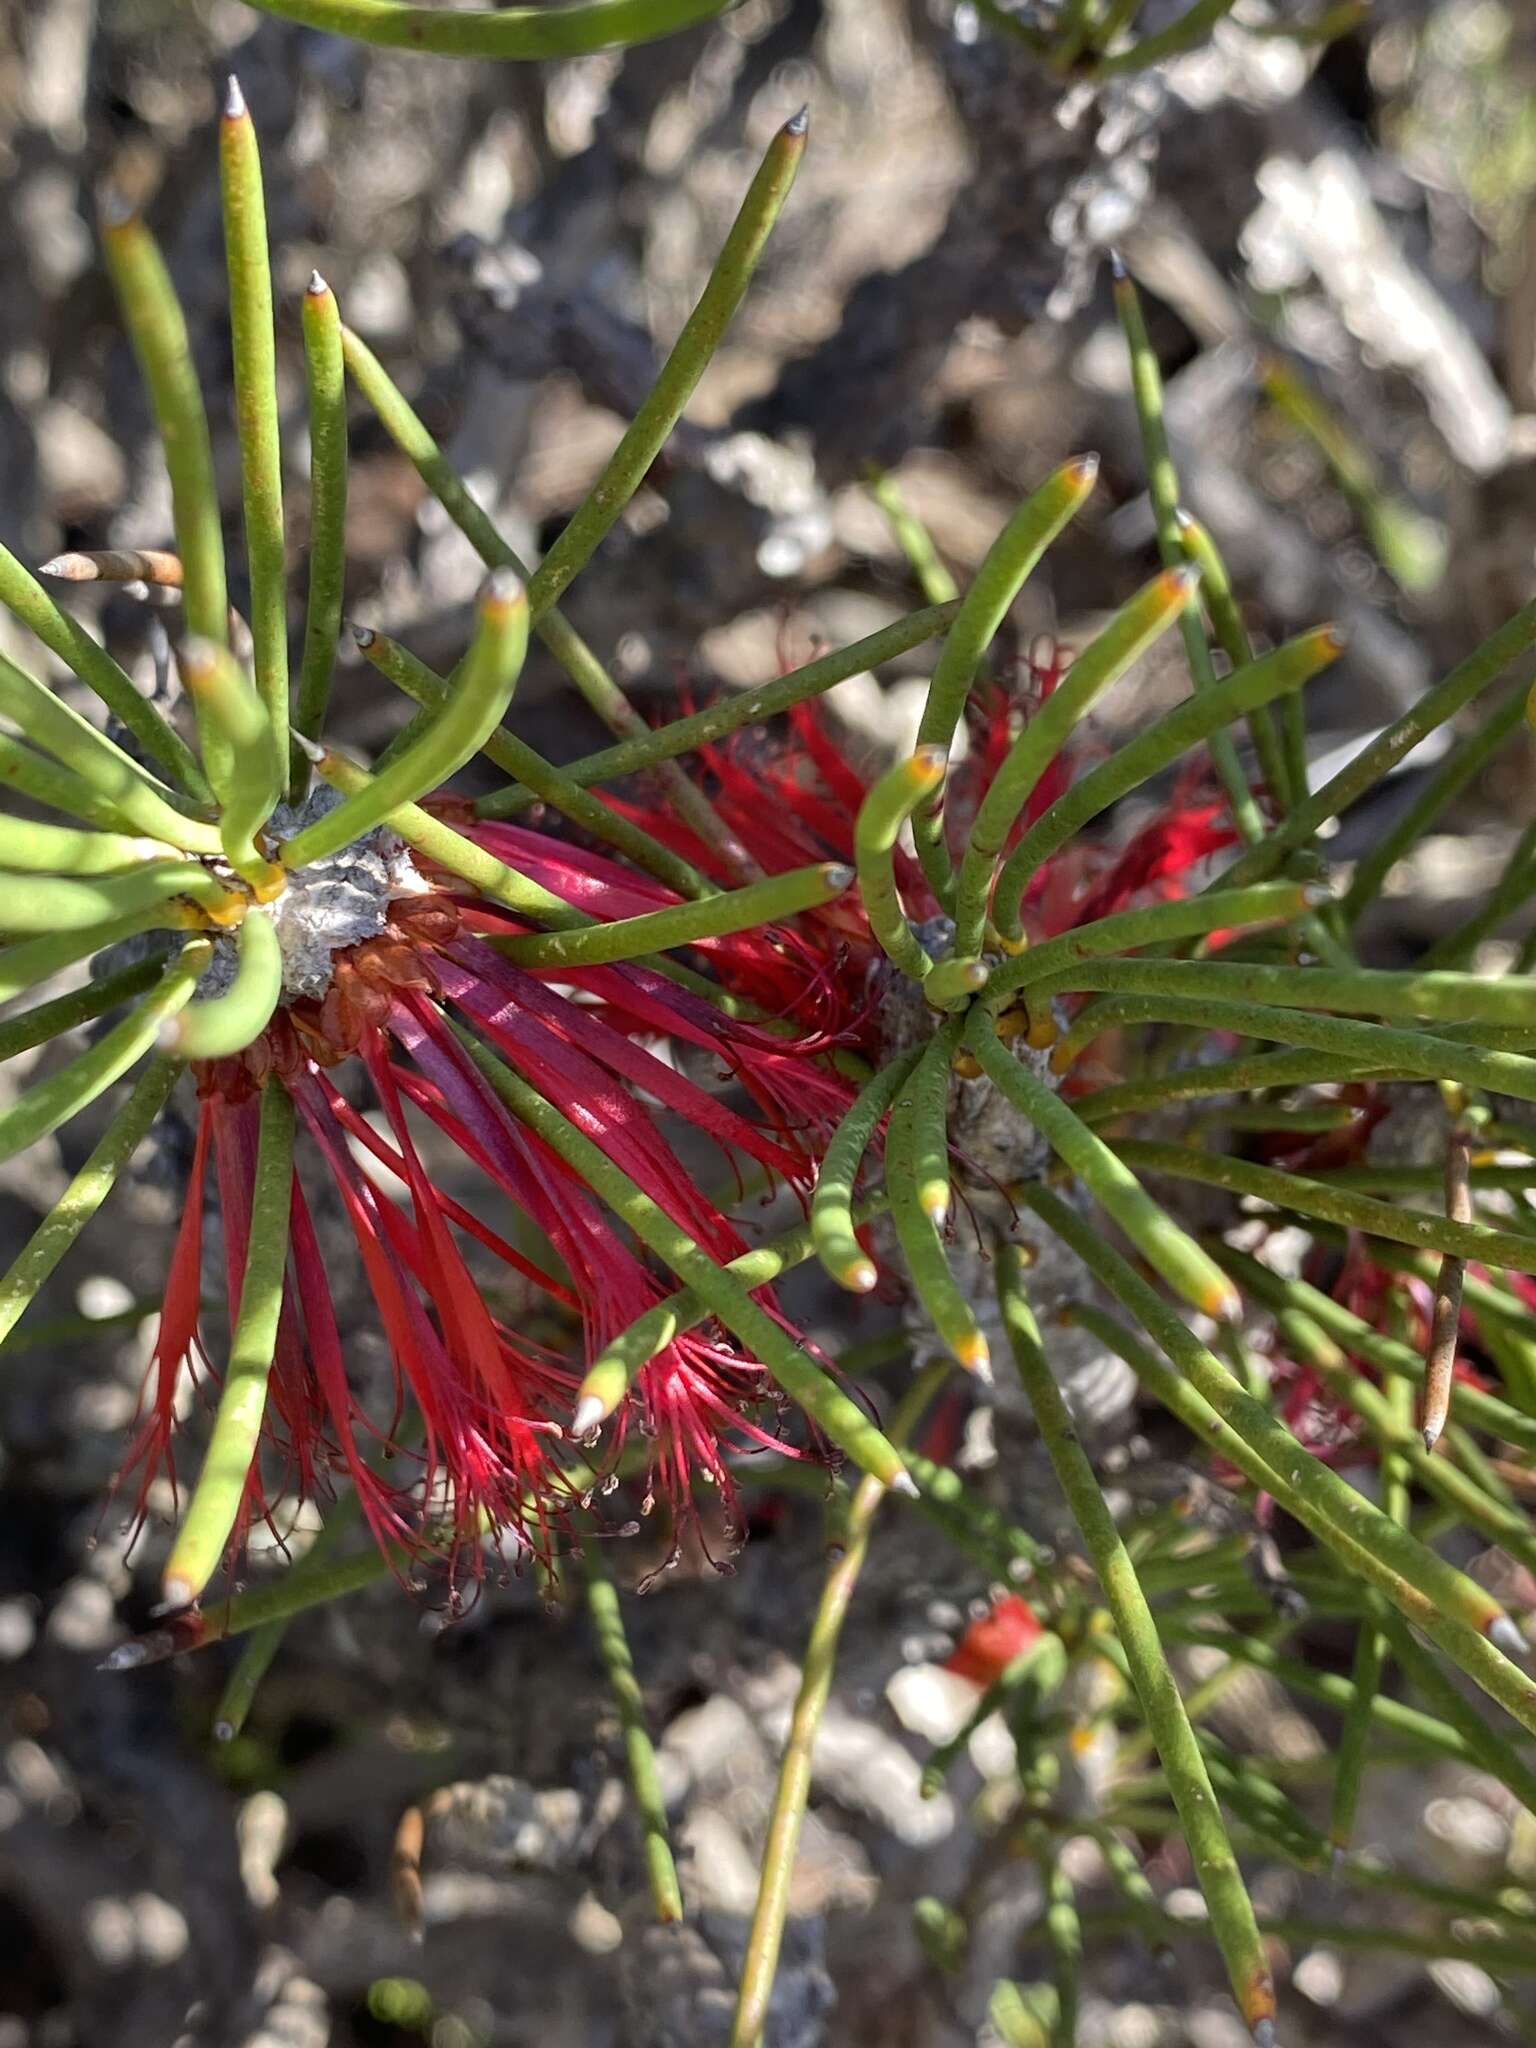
1337,246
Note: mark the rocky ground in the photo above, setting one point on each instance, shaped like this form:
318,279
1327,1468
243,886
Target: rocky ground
514,242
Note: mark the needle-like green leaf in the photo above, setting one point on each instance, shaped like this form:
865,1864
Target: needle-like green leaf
214,1509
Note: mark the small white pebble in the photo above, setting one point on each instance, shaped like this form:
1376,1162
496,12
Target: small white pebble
1468,1988
83,1617
929,1701
1467,1825
35,1775
1136,2026
160,1929
594,1928
1184,1902
18,1629
1217,2026
261,1829
102,1295
109,1931
1319,1976
101,1406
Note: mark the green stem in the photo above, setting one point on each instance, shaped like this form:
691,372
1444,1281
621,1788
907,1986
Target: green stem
255,363
663,405
1511,1248
32,848
832,1219
886,808
1511,891
1328,1688
1442,1601
1023,1689
528,899
1411,547
1271,1116
226,1024
53,1101
158,330
307,1585
1382,755
45,782
599,689
1163,488
1009,560
1115,20
1357,1048
48,1331
1193,26
1130,1881
1019,2015
37,960
613,1371
917,1182
1341,19
59,905
1189,1271
1450,1705
912,537
1226,619
793,1791
255,1659
682,924
644,1779
1444,997
1397,1436
1186,726
503,33
80,1006
492,878
1252,1071
726,1298
1461,766
484,690
1188,1781
1073,26
1399,1361
1188,917
974,1526
214,1509
1133,629
57,1232
326,393
1508,1957
754,706
1064,1932
47,721
538,777
246,760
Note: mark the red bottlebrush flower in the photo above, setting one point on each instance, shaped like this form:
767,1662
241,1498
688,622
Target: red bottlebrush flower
373,1029
1159,857
788,805
991,1642
370,1025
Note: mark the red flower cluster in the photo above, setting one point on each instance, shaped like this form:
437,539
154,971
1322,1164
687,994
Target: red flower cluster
789,805
493,1403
